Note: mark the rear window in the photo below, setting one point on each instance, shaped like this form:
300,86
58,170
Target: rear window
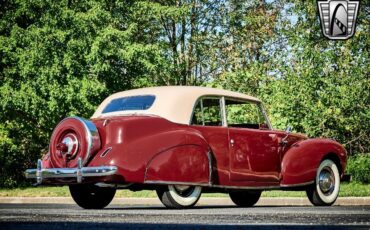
130,103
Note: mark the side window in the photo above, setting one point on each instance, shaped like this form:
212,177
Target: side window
207,112
197,118
244,114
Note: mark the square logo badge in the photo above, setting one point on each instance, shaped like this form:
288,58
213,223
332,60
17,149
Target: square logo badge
338,18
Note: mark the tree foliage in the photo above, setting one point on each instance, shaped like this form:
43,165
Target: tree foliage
62,58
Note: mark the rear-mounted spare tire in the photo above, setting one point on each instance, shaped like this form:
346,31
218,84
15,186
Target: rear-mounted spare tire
73,138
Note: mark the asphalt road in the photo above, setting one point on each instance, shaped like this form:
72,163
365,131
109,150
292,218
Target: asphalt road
115,216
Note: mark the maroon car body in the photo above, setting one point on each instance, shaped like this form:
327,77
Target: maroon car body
160,145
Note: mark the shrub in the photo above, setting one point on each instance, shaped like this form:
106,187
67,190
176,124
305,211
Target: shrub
359,167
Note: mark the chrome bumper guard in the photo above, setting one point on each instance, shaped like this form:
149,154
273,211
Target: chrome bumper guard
80,172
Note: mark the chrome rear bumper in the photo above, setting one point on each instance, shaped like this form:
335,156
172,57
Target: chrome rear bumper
80,172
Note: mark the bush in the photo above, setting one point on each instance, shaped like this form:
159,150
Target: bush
359,167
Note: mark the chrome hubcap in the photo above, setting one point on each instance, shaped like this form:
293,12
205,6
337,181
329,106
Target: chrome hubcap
326,181
69,145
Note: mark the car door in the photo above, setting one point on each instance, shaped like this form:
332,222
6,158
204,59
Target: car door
209,120
254,147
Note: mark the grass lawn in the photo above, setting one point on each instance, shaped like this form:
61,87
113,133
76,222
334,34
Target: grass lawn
347,189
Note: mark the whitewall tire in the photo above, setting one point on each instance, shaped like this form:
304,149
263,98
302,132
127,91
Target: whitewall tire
327,182
179,196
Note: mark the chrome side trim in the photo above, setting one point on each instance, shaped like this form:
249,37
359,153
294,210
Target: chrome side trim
79,173
106,152
223,111
105,185
174,183
227,187
248,187
297,185
262,108
210,167
201,107
208,185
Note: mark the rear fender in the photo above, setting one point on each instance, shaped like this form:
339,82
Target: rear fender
301,161
156,157
183,164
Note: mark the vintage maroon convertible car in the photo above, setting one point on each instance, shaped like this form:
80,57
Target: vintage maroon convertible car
182,141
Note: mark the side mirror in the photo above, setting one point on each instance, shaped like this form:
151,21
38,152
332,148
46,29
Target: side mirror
288,129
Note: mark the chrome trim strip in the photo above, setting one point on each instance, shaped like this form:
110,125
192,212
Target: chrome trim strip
248,187
174,183
225,186
262,108
106,152
210,167
201,108
297,185
208,185
223,111
105,185
79,173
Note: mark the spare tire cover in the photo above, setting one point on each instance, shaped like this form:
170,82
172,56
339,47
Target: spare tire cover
73,138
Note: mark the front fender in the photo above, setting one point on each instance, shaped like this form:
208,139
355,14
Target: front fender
301,161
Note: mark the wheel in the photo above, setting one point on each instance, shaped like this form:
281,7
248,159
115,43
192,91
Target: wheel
245,198
89,196
179,196
327,182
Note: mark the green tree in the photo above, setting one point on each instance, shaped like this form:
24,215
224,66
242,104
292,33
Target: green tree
186,32
60,59
322,87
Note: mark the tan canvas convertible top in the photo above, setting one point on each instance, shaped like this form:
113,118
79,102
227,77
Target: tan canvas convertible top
175,103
